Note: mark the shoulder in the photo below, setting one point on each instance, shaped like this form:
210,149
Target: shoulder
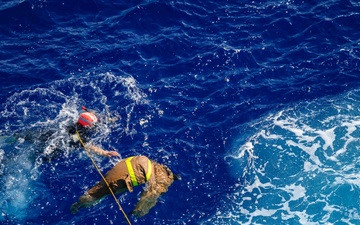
141,159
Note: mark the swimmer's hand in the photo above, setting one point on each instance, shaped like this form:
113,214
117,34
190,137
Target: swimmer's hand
75,208
101,151
111,153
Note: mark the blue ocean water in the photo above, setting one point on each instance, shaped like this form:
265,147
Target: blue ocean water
254,103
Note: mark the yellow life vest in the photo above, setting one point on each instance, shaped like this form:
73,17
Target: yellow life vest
131,171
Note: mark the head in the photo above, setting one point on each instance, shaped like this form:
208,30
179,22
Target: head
87,119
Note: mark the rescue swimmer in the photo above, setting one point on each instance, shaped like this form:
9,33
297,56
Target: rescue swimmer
125,175
86,121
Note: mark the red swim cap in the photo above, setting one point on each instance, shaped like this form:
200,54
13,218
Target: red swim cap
87,119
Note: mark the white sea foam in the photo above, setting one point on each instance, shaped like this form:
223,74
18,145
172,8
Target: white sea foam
305,162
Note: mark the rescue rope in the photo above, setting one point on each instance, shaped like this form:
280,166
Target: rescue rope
107,184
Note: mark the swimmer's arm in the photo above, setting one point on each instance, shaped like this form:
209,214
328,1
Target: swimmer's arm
150,195
147,201
100,151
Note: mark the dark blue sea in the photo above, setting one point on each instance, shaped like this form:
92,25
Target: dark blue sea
256,104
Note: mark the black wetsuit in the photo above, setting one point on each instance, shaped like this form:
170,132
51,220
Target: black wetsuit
83,132
45,143
74,140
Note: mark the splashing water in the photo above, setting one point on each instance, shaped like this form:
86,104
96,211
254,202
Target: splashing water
35,122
